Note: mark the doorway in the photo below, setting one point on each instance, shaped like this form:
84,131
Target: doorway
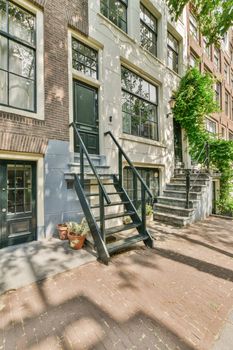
17,202
86,116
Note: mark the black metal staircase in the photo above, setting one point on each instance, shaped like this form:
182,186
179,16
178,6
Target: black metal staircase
108,240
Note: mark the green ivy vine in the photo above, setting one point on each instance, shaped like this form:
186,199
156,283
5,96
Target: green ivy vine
194,101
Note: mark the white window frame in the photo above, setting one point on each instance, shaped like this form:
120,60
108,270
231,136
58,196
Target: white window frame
40,99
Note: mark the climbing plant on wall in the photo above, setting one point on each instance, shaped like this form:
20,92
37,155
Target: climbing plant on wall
194,101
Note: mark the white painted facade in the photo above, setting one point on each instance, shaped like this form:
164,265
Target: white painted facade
116,48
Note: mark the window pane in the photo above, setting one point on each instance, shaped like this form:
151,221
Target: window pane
19,176
21,24
3,87
28,200
3,19
19,201
11,201
21,60
3,52
21,93
28,177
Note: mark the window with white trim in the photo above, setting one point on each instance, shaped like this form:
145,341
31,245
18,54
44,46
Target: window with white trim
211,126
193,27
172,52
115,11
17,57
139,106
148,30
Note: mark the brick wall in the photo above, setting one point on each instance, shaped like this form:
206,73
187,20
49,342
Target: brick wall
58,15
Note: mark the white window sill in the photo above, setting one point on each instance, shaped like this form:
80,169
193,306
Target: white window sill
142,140
21,112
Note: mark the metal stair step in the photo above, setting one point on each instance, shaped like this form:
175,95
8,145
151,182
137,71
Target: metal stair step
109,205
116,229
125,243
97,194
116,215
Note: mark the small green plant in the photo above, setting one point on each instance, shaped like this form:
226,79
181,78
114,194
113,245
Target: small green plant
149,210
127,220
81,229
225,207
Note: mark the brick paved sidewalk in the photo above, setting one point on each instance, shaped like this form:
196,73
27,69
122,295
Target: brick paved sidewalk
176,296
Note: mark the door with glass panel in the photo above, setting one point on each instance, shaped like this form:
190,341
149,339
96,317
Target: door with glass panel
17,202
86,116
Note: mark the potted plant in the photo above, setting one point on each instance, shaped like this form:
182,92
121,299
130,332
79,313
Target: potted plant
77,233
149,213
127,220
62,231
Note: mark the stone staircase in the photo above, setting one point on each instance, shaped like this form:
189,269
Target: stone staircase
171,206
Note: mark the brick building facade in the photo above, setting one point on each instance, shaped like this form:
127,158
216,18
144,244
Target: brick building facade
31,138
219,62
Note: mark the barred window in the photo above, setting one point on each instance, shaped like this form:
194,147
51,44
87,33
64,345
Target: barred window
17,57
148,30
115,11
139,106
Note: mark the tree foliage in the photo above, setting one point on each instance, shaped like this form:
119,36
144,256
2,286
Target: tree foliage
214,17
194,102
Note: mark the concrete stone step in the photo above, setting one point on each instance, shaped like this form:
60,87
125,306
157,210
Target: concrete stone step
203,176
181,194
182,181
96,159
101,169
182,187
177,202
178,211
172,219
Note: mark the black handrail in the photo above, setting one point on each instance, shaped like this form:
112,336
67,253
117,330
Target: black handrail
121,152
83,149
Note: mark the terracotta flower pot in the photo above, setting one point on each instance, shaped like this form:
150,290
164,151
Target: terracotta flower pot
63,231
76,242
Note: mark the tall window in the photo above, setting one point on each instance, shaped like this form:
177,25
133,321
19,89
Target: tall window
230,136
207,48
151,178
139,106
17,57
218,93
226,103
116,11
172,52
148,30
85,59
211,126
226,72
193,27
217,59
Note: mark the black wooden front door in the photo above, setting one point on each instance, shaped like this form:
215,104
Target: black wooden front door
177,142
86,116
17,202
